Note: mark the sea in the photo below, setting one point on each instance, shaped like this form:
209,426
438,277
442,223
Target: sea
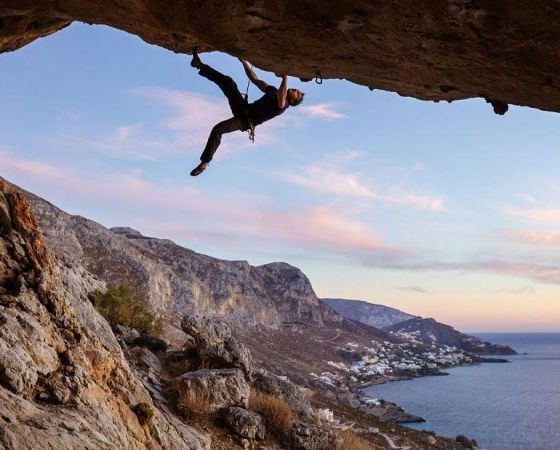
512,406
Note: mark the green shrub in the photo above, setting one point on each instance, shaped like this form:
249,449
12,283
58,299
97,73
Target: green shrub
122,304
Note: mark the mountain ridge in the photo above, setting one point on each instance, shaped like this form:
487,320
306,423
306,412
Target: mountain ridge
376,315
180,281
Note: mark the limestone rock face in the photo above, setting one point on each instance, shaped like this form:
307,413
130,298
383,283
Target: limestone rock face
64,382
179,281
503,50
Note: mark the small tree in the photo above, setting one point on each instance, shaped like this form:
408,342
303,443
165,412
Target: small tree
122,304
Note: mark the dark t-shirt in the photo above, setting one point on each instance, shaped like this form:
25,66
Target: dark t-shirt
266,107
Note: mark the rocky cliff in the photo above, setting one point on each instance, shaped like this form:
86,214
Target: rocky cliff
503,50
179,281
63,377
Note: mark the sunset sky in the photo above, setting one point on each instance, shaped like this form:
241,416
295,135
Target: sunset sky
442,210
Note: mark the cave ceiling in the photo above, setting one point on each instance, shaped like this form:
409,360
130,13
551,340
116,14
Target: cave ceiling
506,51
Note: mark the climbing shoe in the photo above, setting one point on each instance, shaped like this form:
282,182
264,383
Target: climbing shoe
199,169
195,62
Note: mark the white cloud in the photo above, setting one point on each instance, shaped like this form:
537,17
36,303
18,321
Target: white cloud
321,111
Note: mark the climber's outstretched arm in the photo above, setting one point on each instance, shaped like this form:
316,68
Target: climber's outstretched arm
283,92
251,75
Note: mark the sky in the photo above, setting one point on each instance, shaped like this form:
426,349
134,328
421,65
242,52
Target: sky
444,210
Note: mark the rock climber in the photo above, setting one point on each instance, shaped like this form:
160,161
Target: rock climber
246,116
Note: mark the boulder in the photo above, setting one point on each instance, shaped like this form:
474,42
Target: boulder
247,424
312,437
214,344
218,388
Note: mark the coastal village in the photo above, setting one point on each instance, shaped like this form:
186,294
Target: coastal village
389,361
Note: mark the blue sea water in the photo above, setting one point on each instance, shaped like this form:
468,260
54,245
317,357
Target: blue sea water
514,406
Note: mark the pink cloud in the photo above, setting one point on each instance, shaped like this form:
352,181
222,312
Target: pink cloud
538,272
549,216
532,237
186,213
328,181
193,115
323,229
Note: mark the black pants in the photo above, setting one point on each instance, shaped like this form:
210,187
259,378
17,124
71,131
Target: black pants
237,105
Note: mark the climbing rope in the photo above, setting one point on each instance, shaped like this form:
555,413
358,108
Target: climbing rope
246,95
318,78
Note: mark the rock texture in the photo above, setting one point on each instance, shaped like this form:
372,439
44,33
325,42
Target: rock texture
247,424
213,345
179,281
503,50
64,381
311,437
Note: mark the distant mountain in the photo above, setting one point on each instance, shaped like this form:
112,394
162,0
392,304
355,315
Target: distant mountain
430,331
377,316
427,331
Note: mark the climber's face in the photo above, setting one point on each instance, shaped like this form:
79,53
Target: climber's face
295,97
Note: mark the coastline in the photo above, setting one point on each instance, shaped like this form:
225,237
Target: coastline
393,412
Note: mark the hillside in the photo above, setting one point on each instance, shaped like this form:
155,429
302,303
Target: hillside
378,316
179,281
430,331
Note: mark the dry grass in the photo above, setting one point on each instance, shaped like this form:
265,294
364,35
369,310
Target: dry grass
351,441
191,402
278,415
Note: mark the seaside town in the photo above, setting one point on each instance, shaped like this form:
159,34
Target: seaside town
389,361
